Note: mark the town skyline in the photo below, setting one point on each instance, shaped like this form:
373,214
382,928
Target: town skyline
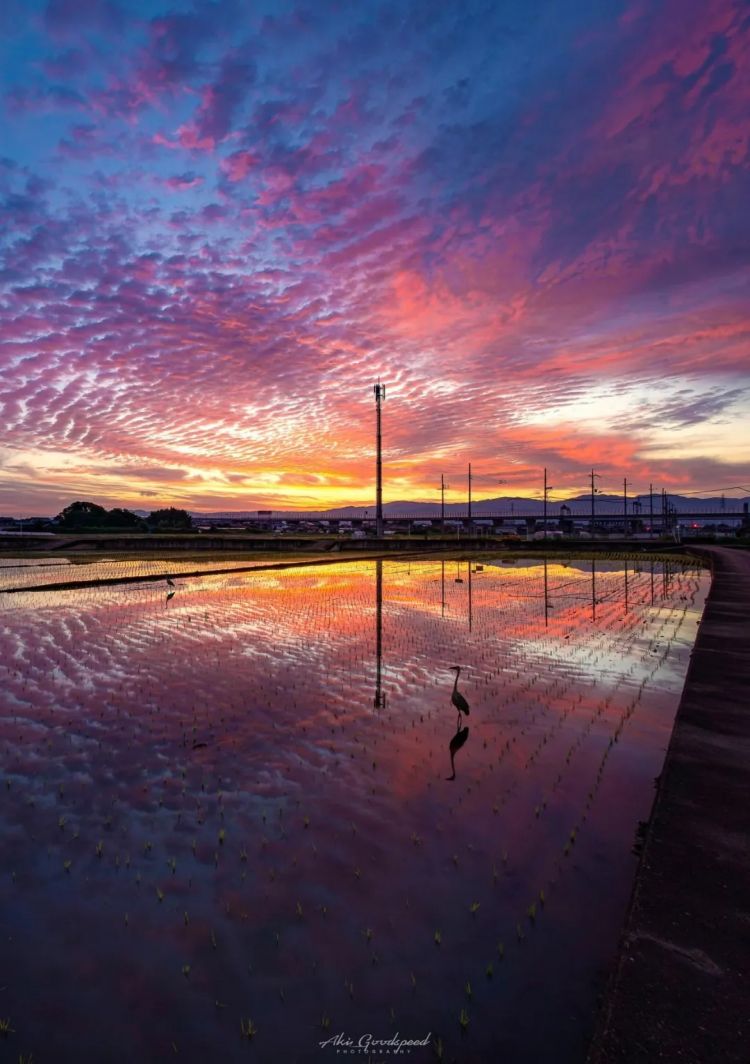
221,227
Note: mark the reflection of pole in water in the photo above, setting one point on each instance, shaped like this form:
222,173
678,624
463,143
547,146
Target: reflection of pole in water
546,595
593,589
442,588
652,581
626,586
379,700
469,565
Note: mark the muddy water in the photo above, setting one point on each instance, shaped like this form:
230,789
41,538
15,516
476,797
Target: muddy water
256,800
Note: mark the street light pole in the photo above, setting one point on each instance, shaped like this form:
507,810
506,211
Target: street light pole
379,390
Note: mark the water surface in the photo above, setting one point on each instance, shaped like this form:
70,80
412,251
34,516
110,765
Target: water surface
256,800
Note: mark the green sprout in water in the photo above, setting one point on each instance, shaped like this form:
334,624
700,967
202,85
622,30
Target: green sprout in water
248,1028
473,908
5,1028
186,970
438,938
463,1019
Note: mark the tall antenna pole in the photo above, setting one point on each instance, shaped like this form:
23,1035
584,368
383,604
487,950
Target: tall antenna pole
545,504
379,397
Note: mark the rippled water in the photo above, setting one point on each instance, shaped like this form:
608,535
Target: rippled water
235,804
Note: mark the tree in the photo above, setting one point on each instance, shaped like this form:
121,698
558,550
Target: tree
81,515
124,519
88,516
170,520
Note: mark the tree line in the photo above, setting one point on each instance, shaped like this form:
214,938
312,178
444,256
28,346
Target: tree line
88,517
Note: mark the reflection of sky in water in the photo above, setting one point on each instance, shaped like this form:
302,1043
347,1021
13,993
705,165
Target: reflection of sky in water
245,751
26,572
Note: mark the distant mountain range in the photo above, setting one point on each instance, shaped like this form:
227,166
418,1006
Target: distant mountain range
506,505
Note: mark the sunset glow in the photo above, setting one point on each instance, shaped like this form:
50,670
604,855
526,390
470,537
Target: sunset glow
222,223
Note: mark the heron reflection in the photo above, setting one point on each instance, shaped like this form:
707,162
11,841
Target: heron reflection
462,734
458,740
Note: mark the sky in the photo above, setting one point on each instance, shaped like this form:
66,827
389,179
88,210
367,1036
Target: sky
223,222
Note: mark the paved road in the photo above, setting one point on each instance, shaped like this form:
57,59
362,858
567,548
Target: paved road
681,989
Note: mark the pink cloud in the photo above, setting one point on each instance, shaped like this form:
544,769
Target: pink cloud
238,165
183,182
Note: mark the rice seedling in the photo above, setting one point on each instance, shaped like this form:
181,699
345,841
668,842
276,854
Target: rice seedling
248,1029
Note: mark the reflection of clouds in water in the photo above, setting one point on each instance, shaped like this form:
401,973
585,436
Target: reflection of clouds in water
248,709
297,647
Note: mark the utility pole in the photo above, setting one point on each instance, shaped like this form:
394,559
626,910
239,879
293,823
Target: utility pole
545,505
469,513
625,505
442,503
593,496
664,528
651,511
379,390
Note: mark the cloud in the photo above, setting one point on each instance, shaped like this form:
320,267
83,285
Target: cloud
218,234
182,182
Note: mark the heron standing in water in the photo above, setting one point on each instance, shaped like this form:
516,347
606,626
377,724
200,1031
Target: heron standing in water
457,698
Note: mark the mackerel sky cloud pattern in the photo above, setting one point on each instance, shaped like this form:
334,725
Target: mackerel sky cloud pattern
222,222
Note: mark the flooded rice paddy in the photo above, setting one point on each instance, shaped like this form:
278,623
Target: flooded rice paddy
248,814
